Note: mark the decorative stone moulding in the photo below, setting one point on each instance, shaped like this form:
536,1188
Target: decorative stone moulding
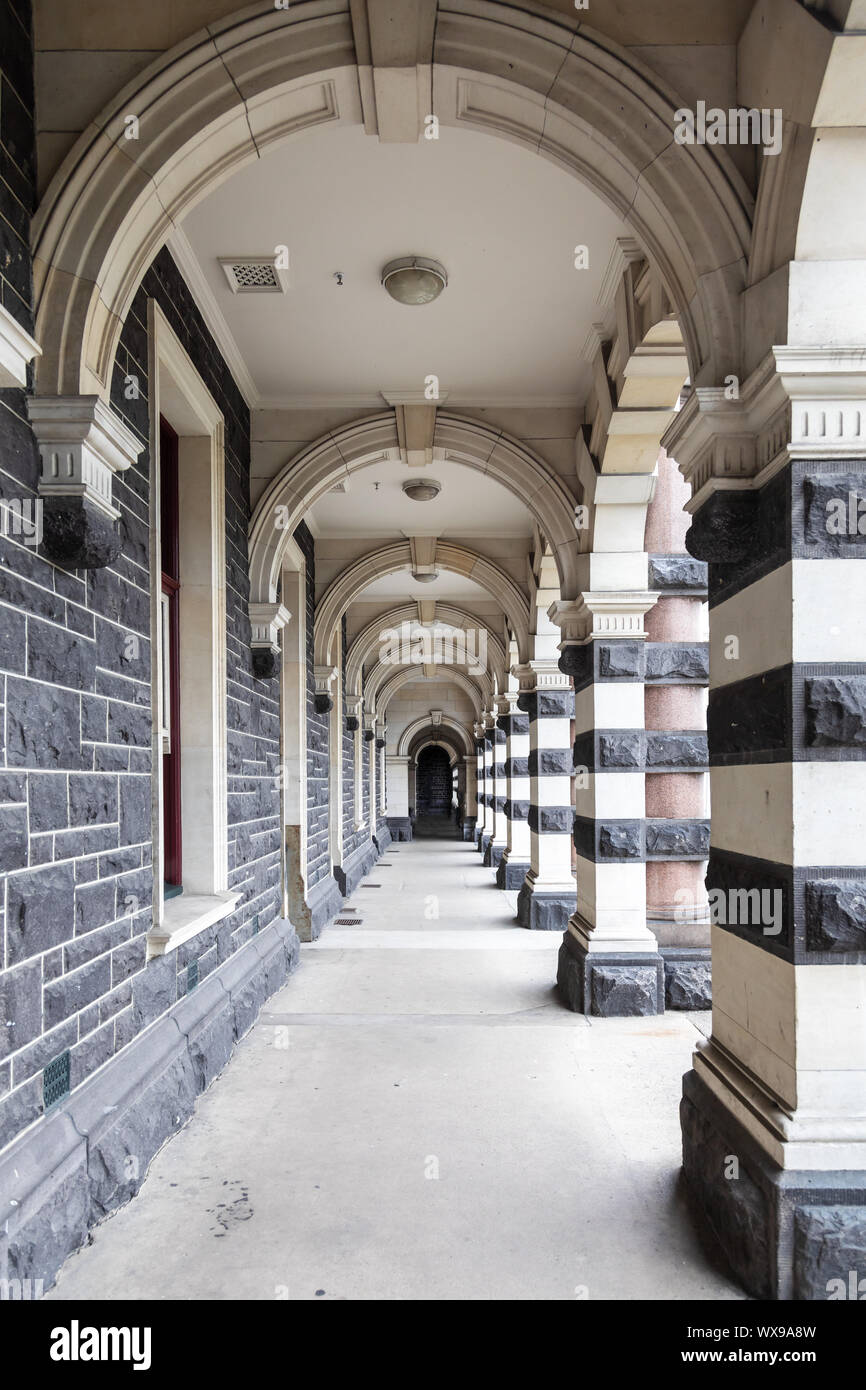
82,444
17,349
266,621
354,705
323,699
800,402
369,728
617,614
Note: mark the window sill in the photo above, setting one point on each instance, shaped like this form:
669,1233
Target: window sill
185,916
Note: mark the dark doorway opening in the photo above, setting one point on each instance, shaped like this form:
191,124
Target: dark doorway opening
433,783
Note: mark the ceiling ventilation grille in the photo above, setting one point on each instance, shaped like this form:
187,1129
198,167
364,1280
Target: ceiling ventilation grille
254,274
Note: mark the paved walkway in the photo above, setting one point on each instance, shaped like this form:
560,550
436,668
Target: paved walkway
416,1116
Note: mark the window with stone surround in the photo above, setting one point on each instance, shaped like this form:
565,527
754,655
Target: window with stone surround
190,779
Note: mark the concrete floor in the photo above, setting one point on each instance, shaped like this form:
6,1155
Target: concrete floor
416,1116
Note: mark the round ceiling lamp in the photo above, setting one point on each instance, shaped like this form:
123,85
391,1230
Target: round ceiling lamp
414,279
421,489
426,577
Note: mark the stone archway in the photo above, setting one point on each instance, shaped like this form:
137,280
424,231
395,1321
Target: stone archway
254,79
387,559
373,440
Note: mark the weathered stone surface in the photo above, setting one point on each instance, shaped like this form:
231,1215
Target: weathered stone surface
836,712
39,910
554,704
830,1244
42,726
688,982
543,911
835,911
78,535
265,663
510,874
723,531
619,660
677,839
627,991
822,495
619,840
620,750
516,810
13,838
736,1212
751,716
677,572
678,661
676,750
400,827
551,820
549,762
20,1006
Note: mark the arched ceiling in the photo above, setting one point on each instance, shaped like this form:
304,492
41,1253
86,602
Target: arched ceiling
509,325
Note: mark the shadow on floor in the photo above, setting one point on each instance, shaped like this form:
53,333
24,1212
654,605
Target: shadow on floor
435,828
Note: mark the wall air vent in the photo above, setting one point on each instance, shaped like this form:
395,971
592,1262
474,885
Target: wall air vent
254,274
55,1081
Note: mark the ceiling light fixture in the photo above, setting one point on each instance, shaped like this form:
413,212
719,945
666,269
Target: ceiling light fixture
421,489
426,577
414,279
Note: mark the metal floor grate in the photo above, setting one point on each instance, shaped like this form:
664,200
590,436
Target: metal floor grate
347,921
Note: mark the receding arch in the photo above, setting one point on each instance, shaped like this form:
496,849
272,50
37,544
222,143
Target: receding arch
364,443
424,725
367,640
224,96
381,691
387,559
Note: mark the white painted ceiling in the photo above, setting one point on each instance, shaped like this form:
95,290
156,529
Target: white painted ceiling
402,586
502,220
469,503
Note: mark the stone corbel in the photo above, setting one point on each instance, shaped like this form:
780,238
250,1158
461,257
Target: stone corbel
266,622
369,728
354,705
82,444
323,677
17,349
380,733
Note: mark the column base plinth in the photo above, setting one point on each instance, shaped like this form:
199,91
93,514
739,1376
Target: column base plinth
610,984
688,978
540,911
511,873
493,854
484,841
787,1234
400,827
467,830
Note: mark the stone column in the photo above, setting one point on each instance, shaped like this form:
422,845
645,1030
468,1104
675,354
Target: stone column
677,803
383,830
397,772
470,763
774,1110
547,896
515,862
485,814
498,792
609,963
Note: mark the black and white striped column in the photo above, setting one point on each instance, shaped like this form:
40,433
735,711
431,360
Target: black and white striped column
546,899
470,798
498,793
774,1110
480,794
515,862
486,832
609,962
